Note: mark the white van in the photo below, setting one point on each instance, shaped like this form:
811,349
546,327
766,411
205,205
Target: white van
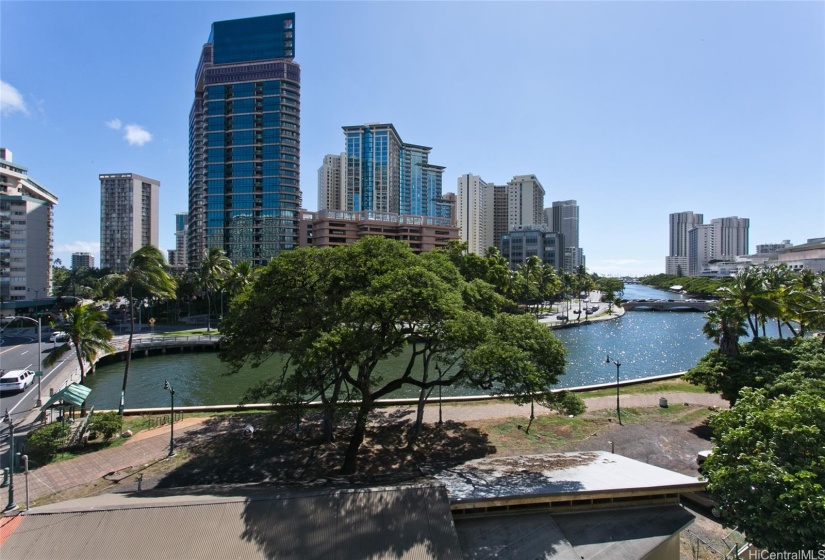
16,380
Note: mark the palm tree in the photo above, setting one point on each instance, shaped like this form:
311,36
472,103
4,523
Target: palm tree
148,275
215,268
749,292
240,277
89,337
725,325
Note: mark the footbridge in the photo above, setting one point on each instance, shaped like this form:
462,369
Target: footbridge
675,305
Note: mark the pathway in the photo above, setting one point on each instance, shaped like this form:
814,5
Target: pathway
150,446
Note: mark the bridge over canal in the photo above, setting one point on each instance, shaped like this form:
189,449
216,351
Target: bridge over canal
675,305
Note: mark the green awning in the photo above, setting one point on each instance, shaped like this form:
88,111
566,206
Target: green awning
74,393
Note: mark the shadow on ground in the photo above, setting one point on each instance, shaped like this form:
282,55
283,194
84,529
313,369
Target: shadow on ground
219,454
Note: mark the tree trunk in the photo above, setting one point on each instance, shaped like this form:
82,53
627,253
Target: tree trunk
351,457
329,411
422,400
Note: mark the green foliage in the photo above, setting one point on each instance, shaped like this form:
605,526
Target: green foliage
759,363
43,443
107,424
337,312
705,287
521,357
767,471
567,403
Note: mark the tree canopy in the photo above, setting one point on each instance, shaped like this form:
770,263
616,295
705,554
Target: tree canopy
337,312
767,470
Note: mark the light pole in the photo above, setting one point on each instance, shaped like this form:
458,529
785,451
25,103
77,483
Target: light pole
36,292
11,505
39,354
618,365
168,387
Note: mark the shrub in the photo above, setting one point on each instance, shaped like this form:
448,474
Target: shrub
44,443
107,424
567,403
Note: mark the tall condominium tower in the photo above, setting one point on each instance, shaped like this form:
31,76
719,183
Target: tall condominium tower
475,213
680,224
525,202
732,236
332,183
564,218
26,233
128,217
244,141
383,174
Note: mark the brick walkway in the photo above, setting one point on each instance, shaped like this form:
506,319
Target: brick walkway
153,445
150,447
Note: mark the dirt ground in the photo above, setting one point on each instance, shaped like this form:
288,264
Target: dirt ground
214,452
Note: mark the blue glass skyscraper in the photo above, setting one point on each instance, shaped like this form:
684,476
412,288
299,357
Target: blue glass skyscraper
244,141
383,174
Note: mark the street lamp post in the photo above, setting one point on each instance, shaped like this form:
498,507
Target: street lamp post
11,505
168,387
39,323
618,365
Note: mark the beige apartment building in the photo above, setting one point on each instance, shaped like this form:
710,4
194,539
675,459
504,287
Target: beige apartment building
128,217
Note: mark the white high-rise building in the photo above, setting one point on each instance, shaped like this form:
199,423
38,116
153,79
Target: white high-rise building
732,236
128,217
475,213
26,233
332,182
702,248
525,202
681,223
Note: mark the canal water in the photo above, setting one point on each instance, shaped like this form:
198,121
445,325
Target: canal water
646,343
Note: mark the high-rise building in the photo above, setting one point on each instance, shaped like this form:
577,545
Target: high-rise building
732,237
475,213
701,248
563,217
244,141
177,256
525,202
128,217
332,183
723,239
82,260
681,223
383,174
26,233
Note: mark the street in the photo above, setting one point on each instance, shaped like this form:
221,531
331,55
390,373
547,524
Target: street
18,350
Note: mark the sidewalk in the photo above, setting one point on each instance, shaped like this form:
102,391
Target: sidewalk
153,445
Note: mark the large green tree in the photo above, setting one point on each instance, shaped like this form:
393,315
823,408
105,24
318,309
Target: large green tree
336,313
767,470
146,276
86,327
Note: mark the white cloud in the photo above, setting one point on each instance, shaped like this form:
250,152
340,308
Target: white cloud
78,247
114,124
11,101
136,135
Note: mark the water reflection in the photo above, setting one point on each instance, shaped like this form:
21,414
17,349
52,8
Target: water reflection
646,343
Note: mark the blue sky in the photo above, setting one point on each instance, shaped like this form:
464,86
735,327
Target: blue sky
634,109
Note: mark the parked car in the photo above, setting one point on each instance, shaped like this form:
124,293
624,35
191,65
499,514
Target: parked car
16,380
59,336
